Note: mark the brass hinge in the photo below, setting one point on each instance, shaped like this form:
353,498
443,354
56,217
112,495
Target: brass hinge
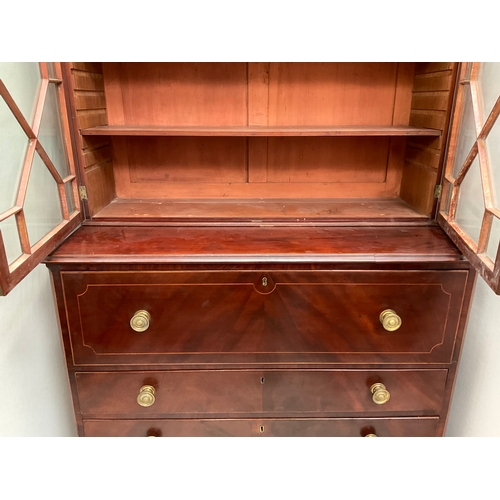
83,192
437,191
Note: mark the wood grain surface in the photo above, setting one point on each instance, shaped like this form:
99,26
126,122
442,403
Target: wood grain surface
156,245
262,427
267,393
228,317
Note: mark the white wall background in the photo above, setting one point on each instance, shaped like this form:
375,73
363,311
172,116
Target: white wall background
475,409
34,389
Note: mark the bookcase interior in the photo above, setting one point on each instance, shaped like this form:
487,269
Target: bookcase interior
254,141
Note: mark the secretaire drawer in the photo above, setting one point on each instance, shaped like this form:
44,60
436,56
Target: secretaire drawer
221,393
249,316
313,427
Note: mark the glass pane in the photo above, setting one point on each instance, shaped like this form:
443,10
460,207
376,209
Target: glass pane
13,146
51,70
491,250
470,208
467,135
11,239
69,196
23,81
493,151
447,190
42,207
50,134
489,79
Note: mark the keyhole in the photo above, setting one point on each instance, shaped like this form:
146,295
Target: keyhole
261,429
264,281
262,380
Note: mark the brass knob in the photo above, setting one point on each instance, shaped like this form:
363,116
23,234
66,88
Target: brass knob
380,394
390,320
146,395
371,436
140,321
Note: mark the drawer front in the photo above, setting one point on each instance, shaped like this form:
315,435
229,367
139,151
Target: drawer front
176,393
314,427
228,393
247,317
419,391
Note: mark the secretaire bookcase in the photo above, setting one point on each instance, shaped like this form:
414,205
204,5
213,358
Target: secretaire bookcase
266,249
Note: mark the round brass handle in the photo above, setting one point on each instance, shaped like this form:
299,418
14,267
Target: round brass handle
146,395
140,321
380,394
371,436
390,320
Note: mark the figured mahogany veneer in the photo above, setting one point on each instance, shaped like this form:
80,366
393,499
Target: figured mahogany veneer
271,326
230,316
269,393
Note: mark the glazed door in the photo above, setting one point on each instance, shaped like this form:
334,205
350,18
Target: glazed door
39,201
470,204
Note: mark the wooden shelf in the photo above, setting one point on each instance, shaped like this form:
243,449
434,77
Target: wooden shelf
259,131
255,211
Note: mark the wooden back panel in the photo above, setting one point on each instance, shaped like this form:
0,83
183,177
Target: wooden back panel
256,93
176,93
332,93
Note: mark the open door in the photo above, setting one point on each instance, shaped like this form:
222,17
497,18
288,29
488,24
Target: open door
470,203
39,200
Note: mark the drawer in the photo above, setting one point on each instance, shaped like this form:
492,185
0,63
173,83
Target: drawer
314,427
251,317
226,393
